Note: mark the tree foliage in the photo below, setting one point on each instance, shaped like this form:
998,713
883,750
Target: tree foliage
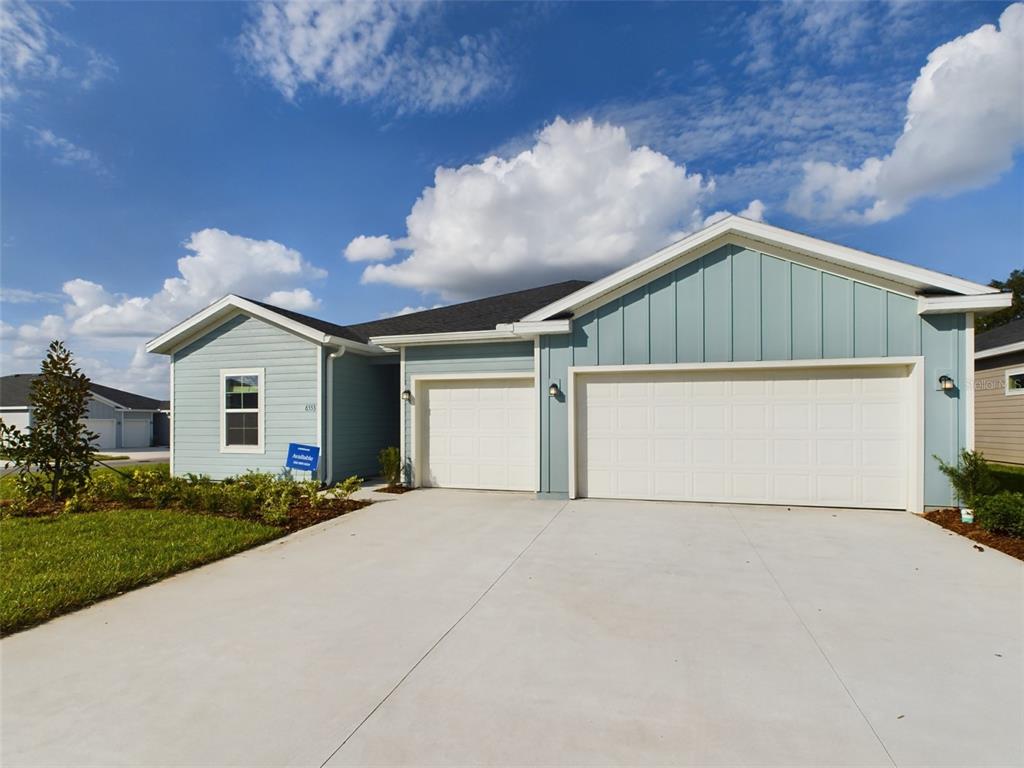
1015,285
54,457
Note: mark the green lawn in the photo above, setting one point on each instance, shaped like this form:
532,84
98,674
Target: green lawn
49,566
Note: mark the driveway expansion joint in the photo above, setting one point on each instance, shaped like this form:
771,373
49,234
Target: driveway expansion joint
447,632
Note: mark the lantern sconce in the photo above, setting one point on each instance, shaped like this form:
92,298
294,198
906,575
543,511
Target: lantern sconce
406,395
553,390
946,383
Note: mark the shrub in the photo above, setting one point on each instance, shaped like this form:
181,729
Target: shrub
309,491
1008,478
971,477
1002,513
348,486
390,465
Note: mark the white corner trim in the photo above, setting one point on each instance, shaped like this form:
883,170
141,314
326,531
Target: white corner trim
969,379
402,408
940,305
867,263
170,420
222,411
1017,346
319,411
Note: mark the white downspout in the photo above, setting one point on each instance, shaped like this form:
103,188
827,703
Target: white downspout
329,442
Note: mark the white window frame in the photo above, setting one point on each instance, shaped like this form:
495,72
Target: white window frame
223,410
1006,382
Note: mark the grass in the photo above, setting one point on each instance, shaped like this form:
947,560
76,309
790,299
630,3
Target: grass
1008,477
52,565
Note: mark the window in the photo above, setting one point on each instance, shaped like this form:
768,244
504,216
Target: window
242,411
1015,381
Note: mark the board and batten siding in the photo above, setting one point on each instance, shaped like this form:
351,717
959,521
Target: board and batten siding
739,305
365,413
489,357
998,417
289,396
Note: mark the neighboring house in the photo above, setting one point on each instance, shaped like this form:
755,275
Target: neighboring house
745,363
120,419
999,393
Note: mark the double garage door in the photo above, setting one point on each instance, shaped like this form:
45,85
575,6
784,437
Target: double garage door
828,437
839,436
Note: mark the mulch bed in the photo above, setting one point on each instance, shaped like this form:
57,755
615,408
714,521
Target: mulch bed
394,489
950,518
305,516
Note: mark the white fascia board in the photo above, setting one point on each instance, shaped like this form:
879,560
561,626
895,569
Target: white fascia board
541,327
1017,346
108,401
867,263
944,305
502,332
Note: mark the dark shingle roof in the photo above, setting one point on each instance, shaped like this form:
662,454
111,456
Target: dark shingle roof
998,337
14,392
477,315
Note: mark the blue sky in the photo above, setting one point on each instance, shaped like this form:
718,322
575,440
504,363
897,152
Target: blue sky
355,161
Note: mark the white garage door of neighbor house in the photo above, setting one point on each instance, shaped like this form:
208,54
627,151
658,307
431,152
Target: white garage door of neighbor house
479,434
106,431
818,437
135,433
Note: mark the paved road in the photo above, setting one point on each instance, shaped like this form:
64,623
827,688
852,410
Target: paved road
457,628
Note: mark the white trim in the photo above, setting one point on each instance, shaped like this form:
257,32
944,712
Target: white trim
170,420
969,378
319,411
327,451
415,383
866,263
945,305
227,306
542,327
401,414
538,399
260,447
501,332
1005,349
15,408
1006,382
915,364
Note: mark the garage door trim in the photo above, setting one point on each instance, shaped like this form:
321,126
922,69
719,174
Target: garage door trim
914,365
418,382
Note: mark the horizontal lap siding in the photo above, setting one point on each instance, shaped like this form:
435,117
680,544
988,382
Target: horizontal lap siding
490,357
998,417
739,305
289,387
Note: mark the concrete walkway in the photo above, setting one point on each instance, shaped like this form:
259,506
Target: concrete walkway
458,628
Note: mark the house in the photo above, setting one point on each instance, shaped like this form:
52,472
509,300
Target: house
999,393
120,419
744,363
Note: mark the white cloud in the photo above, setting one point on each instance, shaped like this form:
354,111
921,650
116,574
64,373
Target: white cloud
64,152
23,296
754,211
365,248
299,300
408,311
32,50
364,51
964,123
581,202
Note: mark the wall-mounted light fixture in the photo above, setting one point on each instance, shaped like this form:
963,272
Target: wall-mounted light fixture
945,383
553,390
406,395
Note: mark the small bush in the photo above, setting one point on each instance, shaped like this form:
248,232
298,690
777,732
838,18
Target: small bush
348,486
970,477
1008,478
390,465
1002,513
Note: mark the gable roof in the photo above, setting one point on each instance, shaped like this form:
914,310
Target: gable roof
1001,340
477,315
14,391
924,282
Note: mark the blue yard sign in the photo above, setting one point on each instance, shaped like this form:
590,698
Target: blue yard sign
305,457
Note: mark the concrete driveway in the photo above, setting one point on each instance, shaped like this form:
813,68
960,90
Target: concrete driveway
458,628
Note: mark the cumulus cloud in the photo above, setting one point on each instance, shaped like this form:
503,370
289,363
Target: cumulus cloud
581,202
32,50
964,124
361,51
64,152
365,248
299,299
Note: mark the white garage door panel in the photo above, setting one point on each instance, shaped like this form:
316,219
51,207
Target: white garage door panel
106,431
838,437
136,433
480,434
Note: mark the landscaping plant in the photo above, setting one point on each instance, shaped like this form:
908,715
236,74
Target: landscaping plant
53,458
1001,513
391,465
970,477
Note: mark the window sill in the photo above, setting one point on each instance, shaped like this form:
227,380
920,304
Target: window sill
242,449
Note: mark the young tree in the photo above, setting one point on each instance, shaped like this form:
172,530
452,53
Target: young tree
56,455
1015,285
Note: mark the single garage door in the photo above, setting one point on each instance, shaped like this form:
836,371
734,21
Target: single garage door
106,431
136,433
821,437
479,434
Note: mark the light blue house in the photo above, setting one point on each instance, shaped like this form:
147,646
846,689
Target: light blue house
745,363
